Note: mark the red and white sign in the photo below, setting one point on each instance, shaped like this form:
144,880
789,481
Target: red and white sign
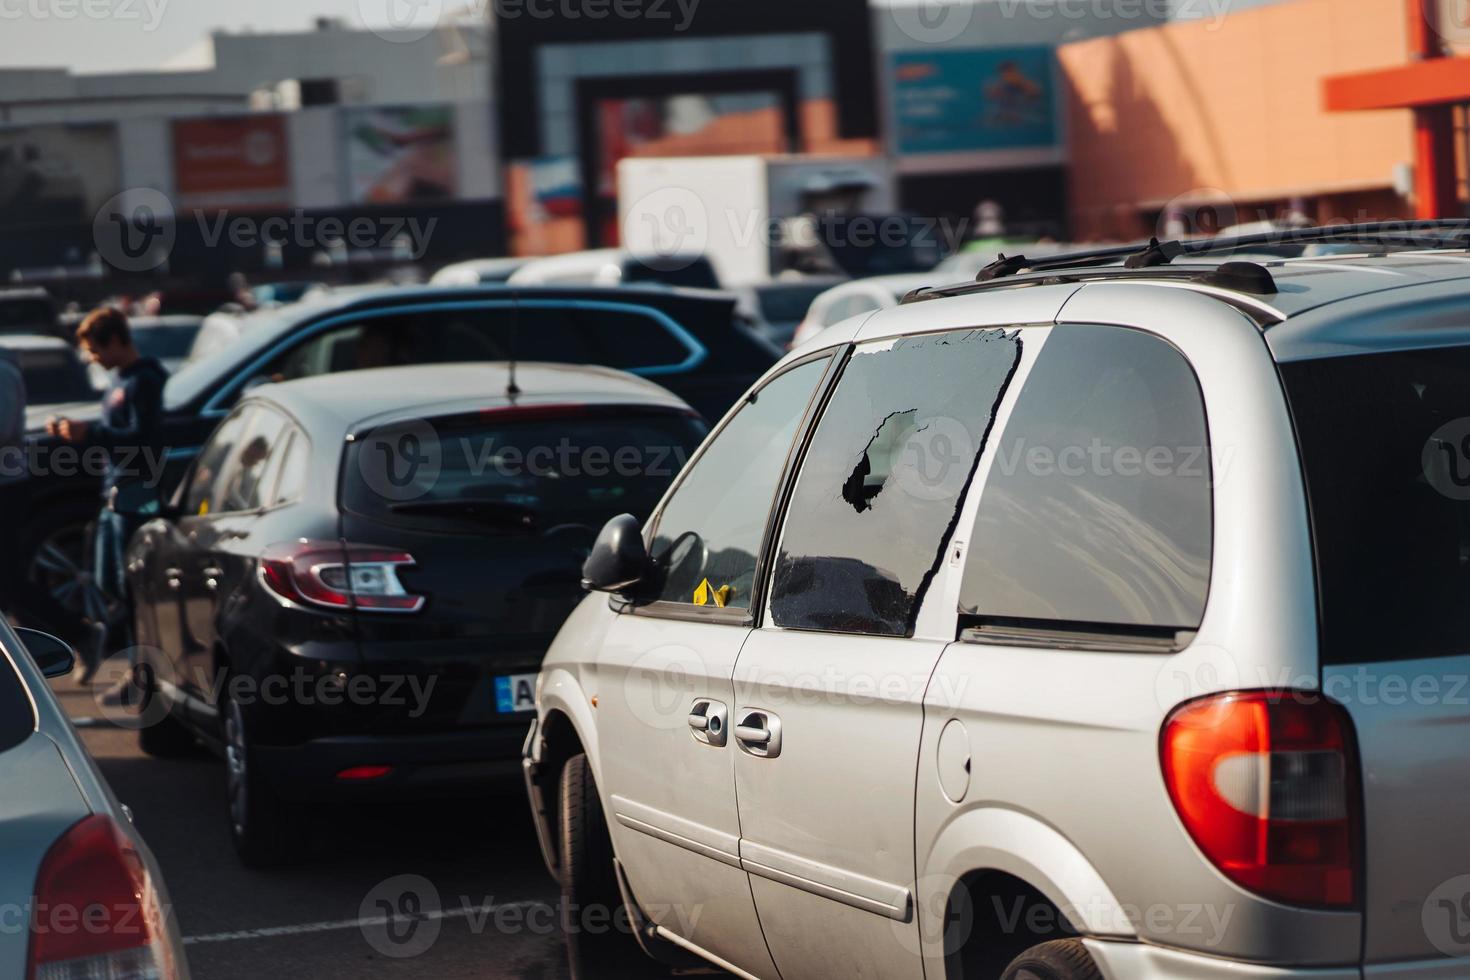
232,161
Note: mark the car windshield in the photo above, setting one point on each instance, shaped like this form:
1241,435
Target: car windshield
537,470
1385,445
199,376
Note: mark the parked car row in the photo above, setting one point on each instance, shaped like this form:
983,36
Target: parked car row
1019,628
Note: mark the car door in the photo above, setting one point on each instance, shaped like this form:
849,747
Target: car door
174,542
222,540
828,710
663,679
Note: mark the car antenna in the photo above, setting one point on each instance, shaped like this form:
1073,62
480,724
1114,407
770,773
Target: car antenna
511,388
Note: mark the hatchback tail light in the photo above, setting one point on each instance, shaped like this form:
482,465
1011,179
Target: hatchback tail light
1267,785
97,915
339,576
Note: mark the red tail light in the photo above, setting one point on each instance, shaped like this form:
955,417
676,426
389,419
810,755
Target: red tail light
339,576
358,774
1266,784
96,913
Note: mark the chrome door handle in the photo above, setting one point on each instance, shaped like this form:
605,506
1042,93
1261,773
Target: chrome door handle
709,722
758,733
174,577
212,576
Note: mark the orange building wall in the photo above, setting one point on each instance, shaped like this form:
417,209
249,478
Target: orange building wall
1232,110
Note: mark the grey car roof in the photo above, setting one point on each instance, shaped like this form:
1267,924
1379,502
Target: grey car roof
344,402
32,341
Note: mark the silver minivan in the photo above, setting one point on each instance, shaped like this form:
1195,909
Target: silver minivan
1106,617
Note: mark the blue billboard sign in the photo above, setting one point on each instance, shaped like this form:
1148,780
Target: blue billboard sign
958,101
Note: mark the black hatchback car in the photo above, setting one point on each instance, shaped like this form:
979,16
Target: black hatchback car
351,591
690,341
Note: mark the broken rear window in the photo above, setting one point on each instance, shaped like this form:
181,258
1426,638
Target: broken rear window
883,480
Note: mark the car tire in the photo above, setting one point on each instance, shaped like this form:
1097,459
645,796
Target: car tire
589,881
166,738
60,529
265,829
1060,959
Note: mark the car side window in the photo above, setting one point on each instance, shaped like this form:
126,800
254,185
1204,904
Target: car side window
1098,509
567,335
614,338
292,479
198,499
709,533
884,477
239,485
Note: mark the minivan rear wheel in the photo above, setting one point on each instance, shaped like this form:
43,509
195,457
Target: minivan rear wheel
594,921
1060,959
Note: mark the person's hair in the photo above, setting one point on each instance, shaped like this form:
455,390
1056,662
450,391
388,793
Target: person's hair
105,326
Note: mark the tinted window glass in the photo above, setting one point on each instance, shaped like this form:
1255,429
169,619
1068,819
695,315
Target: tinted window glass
240,484
710,531
198,499
17,721
292,478
884,476
534,471
1385,446
613,338
1098,507
566,335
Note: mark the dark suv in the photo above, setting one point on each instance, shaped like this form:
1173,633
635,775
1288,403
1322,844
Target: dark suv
350,594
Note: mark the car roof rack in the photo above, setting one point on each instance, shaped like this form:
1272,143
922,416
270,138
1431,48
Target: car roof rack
1153,259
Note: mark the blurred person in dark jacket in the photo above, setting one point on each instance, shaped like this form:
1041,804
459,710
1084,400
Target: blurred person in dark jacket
132,412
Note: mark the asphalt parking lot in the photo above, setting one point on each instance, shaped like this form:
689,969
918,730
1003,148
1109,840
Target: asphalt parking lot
325,918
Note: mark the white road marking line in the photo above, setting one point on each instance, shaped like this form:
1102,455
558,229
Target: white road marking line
275,932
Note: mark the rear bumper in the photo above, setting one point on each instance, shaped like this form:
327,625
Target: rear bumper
1138,961
441,764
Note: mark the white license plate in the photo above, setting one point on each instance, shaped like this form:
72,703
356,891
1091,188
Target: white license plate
515,693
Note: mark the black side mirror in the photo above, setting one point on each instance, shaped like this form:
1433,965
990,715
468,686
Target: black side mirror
53,656
619,560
